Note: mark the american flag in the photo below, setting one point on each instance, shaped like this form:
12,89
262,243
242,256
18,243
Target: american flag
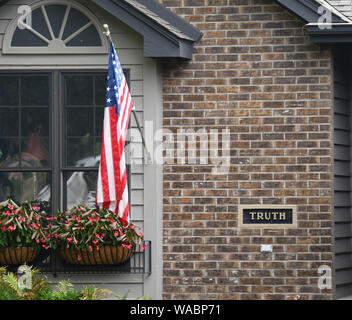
112,190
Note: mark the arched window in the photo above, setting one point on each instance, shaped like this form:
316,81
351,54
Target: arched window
55,28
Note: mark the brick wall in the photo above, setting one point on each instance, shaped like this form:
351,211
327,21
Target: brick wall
255,73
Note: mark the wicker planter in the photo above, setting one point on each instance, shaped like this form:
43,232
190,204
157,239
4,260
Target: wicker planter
17,256
106,255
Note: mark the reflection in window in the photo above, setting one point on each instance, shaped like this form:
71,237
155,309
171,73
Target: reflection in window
80,188
25,186
84,119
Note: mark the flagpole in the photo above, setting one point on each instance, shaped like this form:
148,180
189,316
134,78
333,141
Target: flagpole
108,34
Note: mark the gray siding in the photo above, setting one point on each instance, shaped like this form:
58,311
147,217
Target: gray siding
342,175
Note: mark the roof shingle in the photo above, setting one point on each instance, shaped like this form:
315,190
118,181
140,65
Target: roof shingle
343,6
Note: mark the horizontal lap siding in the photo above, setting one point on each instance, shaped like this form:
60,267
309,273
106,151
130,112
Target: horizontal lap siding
129,46
342,184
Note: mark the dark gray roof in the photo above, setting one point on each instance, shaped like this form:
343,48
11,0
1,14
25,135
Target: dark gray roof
343,6
165,34
339,30
308,10
172,19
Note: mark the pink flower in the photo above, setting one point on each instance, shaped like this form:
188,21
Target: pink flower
69,239
10,207
91,248
144,247
79,258
46,247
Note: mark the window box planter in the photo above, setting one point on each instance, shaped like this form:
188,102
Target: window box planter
18,256
22,232
106,255
93,237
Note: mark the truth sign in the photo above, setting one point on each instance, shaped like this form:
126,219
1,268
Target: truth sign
270,216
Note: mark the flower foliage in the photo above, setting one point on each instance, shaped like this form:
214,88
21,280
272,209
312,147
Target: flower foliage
22,226
87,229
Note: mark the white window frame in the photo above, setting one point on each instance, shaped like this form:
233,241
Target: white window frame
55,47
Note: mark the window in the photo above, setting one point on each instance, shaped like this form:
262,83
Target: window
53,28
50,136
25,163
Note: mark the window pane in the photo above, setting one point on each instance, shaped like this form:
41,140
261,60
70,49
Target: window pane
8,91
9,153
35,91
8,122
75,21
80,151
39,23
87,38
25,38
98,145
99,121
35,152
80,122
25,186
100,90
79,90
56,15
80,188
35,120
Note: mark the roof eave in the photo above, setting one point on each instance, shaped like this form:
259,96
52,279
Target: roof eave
330,33
308,10
158,41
